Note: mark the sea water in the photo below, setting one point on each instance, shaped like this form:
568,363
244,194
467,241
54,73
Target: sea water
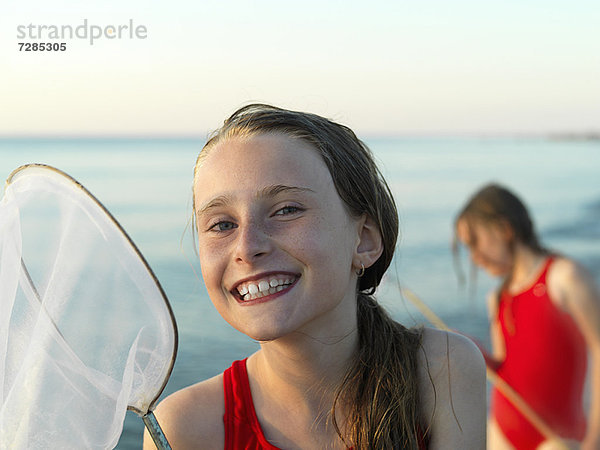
146,184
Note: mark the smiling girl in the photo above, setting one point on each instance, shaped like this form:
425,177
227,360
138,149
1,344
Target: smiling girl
296,227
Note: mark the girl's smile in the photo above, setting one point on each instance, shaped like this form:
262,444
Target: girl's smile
264,287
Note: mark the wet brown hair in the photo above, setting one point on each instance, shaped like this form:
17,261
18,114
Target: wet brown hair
496,205
379,391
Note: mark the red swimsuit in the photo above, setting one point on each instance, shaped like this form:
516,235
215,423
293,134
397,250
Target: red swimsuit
242,429
545,363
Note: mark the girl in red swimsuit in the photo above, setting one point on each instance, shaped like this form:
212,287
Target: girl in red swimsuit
296,228
544,319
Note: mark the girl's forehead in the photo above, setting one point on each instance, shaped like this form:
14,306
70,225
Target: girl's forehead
263,153
463,230
467,227
470,228
250,162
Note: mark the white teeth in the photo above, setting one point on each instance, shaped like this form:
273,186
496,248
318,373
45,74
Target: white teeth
251,291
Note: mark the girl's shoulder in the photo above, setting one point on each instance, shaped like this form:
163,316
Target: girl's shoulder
564,269
572,288
441,350
452,390
193,416
565,276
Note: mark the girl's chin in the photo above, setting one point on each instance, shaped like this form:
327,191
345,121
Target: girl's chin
496,271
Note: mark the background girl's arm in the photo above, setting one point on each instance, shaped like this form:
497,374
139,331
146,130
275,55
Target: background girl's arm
452,391
497,339
494,359
576,290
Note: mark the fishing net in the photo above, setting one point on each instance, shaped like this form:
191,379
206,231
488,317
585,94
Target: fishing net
86,331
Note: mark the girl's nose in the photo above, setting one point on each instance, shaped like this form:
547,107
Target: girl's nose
476,257
253,242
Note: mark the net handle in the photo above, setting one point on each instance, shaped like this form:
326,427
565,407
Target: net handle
156,432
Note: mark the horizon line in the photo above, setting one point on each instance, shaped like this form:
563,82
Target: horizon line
568,135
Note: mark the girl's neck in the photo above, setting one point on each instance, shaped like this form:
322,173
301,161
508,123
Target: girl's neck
294,384
526,265
301,362
313,357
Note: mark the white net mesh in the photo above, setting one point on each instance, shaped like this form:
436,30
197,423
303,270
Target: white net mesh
86,331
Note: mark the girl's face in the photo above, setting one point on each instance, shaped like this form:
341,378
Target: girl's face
488,245
276,244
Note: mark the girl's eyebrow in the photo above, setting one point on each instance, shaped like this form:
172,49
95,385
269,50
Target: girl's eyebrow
272,191
267,192
221,200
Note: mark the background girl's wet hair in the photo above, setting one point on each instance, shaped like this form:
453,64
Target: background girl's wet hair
494,204
379,389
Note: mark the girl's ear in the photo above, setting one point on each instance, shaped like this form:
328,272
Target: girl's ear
369,244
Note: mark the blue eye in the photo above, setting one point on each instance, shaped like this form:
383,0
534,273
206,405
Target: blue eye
223,226
287,210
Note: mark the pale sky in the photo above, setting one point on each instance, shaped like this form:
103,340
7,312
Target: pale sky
382,67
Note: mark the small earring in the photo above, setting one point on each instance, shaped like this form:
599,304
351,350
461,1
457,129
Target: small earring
361,272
